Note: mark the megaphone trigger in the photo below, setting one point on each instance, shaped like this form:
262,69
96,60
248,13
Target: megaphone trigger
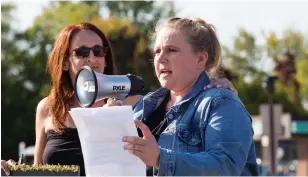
120,102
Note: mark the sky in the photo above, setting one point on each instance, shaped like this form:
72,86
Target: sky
254,16
258,17
228,16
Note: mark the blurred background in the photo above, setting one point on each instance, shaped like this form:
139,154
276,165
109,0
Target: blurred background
265,55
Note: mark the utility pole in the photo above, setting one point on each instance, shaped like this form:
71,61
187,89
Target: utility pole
269,85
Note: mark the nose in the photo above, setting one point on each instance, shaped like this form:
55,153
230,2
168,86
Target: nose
91,56
162,58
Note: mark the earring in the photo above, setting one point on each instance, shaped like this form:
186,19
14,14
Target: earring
65,68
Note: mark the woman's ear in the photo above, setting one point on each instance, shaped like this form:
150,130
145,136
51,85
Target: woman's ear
202,59
66,66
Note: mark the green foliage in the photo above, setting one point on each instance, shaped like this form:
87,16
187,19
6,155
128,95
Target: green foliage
114,27
302,77
253,95
20,87
243,59
291,39
144,14
60,14
6,18
294,42
24,78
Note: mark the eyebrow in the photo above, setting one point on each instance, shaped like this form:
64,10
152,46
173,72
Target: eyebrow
172,46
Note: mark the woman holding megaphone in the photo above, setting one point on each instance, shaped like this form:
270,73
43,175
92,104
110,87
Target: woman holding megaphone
79,45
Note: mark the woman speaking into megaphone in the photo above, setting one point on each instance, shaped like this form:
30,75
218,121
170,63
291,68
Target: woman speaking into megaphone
76,46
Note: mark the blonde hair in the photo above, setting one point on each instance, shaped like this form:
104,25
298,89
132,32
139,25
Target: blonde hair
200,35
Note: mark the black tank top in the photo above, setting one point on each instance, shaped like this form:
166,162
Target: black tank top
64,149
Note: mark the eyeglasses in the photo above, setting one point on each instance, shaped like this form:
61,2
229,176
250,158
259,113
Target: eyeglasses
84,52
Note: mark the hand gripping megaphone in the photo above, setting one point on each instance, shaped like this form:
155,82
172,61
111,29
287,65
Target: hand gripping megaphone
91,86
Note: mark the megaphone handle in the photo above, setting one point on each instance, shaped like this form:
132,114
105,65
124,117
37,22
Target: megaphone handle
120,97
120,102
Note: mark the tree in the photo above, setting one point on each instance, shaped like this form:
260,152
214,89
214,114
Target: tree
24,78
20,87
6,17
144,14
128,34
290,54
302,77
60,14
244,56
243,60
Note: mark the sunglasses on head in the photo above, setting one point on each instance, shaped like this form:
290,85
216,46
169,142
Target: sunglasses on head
84,52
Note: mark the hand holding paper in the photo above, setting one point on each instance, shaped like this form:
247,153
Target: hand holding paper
100,131
145,148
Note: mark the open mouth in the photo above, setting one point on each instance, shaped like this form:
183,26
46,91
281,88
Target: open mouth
165,72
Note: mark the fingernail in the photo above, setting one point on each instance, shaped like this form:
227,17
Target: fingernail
218,85
109,100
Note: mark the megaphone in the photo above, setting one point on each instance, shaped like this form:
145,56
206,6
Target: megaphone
91,86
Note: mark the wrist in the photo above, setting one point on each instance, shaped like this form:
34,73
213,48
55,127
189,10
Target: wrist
157,162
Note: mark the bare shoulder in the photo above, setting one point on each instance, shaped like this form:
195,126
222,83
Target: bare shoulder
41,109
132,100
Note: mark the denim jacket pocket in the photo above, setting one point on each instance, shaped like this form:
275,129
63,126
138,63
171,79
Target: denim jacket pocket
189,140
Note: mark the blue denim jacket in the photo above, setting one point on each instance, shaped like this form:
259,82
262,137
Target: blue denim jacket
209,133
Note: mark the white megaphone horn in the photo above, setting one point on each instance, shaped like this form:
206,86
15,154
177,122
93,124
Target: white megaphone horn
91,86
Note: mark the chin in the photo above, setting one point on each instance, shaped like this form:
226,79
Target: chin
165,84
98,71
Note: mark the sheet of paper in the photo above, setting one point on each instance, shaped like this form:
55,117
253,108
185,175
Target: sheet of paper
100,131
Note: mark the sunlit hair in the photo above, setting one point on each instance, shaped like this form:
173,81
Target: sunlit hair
62,90
200,35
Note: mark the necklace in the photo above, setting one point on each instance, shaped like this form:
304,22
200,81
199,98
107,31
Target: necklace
160,126
157,129
169,105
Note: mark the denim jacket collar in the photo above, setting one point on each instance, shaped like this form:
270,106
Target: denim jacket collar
154,99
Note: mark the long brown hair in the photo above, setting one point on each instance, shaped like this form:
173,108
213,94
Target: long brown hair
62,90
